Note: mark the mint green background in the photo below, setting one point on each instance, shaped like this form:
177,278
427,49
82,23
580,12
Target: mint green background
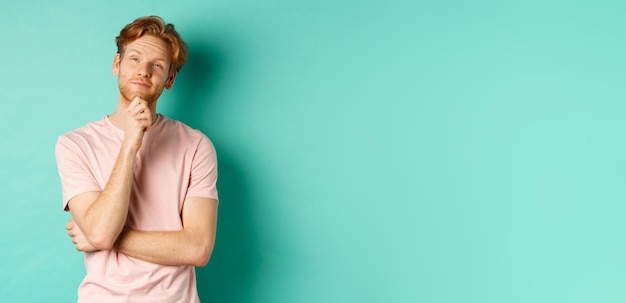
370,151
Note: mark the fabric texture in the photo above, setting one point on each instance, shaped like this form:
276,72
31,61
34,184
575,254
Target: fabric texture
173,163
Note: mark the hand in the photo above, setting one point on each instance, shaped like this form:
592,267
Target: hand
78,238
138,120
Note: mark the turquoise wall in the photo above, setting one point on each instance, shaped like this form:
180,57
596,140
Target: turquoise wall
370,151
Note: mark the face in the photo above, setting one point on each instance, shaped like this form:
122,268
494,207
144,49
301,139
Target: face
143,69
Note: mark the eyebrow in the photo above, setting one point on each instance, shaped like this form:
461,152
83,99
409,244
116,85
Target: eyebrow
138,52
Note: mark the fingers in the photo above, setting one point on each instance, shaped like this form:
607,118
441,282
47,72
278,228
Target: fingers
70,228
139,113
137,105
77,238
70,224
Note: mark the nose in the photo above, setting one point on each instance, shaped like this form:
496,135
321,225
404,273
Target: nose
144,71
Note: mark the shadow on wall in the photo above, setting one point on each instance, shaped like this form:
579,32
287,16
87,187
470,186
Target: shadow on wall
231,272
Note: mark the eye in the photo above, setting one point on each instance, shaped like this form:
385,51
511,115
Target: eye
134,59
158,65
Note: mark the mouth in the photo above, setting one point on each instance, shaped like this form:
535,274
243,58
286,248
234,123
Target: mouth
140,83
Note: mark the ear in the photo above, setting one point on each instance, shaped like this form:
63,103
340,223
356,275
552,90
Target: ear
116,64
170,81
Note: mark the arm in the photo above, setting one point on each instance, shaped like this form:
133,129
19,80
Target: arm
101,216
192,245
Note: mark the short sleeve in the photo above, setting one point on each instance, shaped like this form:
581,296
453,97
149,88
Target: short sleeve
76,177
203,181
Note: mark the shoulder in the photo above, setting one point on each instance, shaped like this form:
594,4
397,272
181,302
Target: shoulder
83,134
185,137
86,131
183,130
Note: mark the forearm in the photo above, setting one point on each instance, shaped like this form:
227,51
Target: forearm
174,248
105,218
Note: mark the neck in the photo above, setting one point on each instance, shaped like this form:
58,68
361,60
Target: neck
118,117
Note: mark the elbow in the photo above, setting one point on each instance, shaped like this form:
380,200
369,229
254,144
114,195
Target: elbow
101,242
202,255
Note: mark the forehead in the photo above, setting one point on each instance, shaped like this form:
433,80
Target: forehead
149,46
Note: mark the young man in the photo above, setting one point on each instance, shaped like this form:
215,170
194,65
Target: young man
141,187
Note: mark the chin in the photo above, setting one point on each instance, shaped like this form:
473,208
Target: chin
130,96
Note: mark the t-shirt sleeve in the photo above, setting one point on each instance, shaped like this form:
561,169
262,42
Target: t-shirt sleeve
76,177
203,181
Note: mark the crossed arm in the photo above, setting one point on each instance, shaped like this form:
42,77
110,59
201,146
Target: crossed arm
191,245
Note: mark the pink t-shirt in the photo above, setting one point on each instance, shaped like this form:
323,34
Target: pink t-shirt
173,163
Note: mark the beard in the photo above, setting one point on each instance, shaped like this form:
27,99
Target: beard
129,93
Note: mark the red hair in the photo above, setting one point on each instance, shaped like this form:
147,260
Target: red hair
155,26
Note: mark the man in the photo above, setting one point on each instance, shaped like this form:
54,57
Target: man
141,187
